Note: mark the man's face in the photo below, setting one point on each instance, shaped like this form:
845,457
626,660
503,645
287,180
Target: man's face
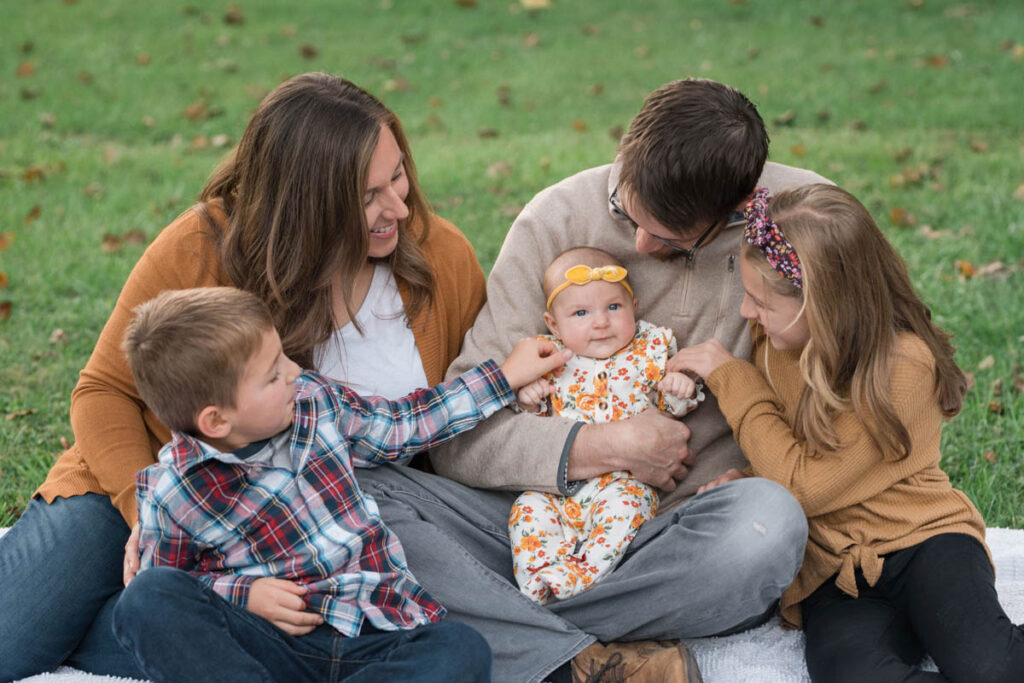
653,238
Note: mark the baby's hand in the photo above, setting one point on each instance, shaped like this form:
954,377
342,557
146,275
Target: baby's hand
678,384
531,397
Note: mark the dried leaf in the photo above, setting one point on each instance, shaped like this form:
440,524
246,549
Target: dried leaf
901,155
798,150
878,87
858,125
308,51
5,310
990,456
466,4
397,84
902,218
434,101
289,30
142,59
18,414
26,69
997,387
4,280
534,5
33,214
1018,380
965,269
5,240
487,133
111,243
979,146
198,110
59,336
786,119
233,16
531,40
995,407
823,115
499,169
1018,194
591,30
29,93
616,132
27,47
987,362
220,140
595,89
969,379
937,61
990,269
817,21
579,125
111,153
33,173
47,120
504,95
94,190
927,231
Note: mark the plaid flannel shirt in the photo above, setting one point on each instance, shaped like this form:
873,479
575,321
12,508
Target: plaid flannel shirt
229,522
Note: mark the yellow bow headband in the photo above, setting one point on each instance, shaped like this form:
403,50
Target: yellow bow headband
581,275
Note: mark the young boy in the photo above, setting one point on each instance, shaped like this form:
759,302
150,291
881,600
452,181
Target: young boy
255,501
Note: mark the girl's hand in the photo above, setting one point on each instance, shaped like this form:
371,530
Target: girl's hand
531,397
729,475
677,384
280,602
531,359
702,359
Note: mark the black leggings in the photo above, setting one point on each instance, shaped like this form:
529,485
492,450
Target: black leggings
936,598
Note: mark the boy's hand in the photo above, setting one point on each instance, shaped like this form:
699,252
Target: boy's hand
532,359
702,359
280,602
531,397
677,384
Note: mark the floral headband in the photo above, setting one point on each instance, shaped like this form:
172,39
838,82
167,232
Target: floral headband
764,233
581,275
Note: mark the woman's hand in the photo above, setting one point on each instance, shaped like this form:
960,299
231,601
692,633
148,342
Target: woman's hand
702,359
280,602
131,555
531,359
531,397
729,475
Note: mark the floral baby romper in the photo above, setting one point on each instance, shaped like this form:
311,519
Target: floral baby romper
561,545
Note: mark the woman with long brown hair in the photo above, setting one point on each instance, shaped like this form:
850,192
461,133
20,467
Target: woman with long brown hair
318,211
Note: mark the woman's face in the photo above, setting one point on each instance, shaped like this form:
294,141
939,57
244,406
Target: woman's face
783,321
387,186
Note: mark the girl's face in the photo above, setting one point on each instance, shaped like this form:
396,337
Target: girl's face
387,186
781,317
593,320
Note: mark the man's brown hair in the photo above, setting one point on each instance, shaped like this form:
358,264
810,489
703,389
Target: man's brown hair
693,153
189,348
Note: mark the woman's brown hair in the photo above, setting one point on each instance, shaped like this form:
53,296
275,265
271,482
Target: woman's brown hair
857,298
293,193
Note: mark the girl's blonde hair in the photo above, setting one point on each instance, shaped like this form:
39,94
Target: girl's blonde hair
293,194
857,297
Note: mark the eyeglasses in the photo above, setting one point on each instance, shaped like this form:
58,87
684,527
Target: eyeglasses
688,253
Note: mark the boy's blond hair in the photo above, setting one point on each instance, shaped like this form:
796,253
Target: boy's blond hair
189,348
575,256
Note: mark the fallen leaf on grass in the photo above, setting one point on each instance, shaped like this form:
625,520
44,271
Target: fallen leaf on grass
5,240
595,89
531,40
995,407
33,173
85,78
59,336
937,61
616,132
33,214
932,234
4,280
308,51
979,146
1019,193
987,362
534,5
487,133
142,59
997,387
798,150
902,218
579,125
397,84
1018,381
113,243
969,379
965,268
18,414
788,118
233,16
504,95
5,310
499,169
990,456
25,69
465,4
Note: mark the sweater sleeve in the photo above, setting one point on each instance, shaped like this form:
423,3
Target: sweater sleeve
827,481
512,451
114,433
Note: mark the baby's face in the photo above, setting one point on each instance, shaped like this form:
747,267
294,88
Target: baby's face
593,320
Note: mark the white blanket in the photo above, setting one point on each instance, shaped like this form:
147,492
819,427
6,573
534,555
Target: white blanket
766,654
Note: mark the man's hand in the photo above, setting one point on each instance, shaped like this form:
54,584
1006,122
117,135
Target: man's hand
702,359
652,446
531,397
131,555
280,602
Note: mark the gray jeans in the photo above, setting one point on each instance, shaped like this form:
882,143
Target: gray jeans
716,564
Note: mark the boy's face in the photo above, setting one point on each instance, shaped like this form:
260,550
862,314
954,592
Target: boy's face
265,399
593,320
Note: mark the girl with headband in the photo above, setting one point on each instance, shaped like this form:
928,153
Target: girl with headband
844,405
561,545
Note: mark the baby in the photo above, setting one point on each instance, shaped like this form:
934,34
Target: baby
561,545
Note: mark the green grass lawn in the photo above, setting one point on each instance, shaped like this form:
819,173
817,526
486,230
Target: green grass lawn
112,114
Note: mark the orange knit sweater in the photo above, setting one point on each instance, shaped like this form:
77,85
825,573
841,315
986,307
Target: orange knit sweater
858,506
116,434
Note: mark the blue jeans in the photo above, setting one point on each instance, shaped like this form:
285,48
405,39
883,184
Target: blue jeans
180,630
60,575
716,564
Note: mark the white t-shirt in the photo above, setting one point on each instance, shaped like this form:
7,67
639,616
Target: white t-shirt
383,360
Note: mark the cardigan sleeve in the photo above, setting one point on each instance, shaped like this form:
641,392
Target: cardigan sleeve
855,472
114,432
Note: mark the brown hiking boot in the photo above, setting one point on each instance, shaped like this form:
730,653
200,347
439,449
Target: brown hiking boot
643,661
